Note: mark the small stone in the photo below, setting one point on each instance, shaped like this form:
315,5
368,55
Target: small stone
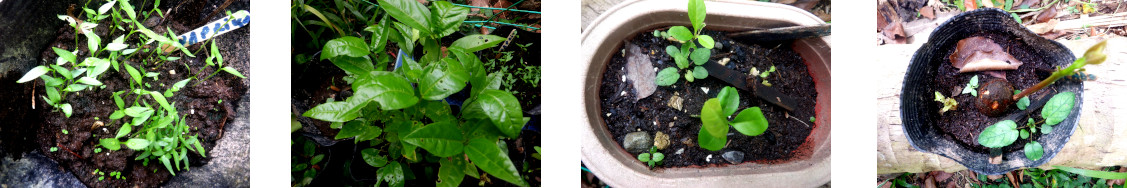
705,89
734,157
708,159
172,71
623,78
608,114
623,93
754,72
637,142
718,46
675,102
724,61
661,140
679,151
687,141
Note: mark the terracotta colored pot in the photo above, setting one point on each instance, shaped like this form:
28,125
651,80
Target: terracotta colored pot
606,157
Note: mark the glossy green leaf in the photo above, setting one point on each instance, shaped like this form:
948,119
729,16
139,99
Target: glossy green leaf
33,73
1058,108
162,101
93,41
443,78
712,118
971,86
681,33
123,131
354,65
409,12
1024,134
232,71
699,72
66,55
487,156
446,17
100,66
477,42
700,56
133,73
370,132
1034,150
337,111
442,139
729,100
667,76
351,129
658,157
706,41
500,107
1023,102
392,173
750,122
1000,134
1046,128
136,143
345,46
63,71
373,158
451,171
125,6
390,90
710,142
110,143
644,157
118,44
66,109
697,14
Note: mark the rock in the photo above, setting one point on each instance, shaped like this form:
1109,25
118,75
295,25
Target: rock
661,140
708,159
637,142
675,101
734,157
679,151
638,67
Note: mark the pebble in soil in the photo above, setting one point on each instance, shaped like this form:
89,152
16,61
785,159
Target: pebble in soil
780,143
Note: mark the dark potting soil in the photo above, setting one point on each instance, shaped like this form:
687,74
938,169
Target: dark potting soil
779,144
207,106
316,81
965,123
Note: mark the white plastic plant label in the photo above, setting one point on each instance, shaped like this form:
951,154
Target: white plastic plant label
215,28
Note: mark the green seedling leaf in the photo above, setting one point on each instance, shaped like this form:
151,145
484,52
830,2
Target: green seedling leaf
117,114
125,6
167,165
89,81
137,111
318,158
1046,128
442,79
118,44
345,46
712,117
680,59
500,107
971,86
697,14
729,100
699,72
700,56
34,73
390,90
93,41
162,101
391,173
373,158
64,72
1034,151
681,33
689,75
66,109
1058,108
1023,102
1000,134
1024,134
123,131
110,143
336,111
644,157
353,65
52,81
65,55
53,95
451,171
446,17
706,41
351,129
487,156
710,142
232,71
370,132
133,73
410,13
667,77
106,7
442,139
750,122
474,43
1093,173
658,157
136,143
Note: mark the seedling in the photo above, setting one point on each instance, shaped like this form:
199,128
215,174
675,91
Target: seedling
652,158
714,115
537,154
1095,55
948,103
1006,132
688,50
971,86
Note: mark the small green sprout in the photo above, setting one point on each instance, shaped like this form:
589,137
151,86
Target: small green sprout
948,103
971,86
65,131
811,119
54,149
713,134
689,51
652,158
1006,132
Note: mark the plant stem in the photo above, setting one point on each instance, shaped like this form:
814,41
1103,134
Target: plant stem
1071,69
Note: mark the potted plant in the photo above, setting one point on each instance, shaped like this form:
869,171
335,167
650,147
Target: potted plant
670,38
982,119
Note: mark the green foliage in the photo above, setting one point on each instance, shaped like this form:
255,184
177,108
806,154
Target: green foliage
1058,108
667,76
305,166
652,158
1006,132
971,86
948,103
689,50
401,111
1000,134
1023,102
714,119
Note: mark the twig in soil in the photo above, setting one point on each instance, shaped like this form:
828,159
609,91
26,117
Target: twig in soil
217,10
71,152
796,119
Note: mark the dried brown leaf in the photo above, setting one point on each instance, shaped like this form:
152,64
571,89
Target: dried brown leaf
981,54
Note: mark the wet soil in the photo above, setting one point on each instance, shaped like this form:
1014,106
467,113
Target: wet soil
965,123
779,144
207,106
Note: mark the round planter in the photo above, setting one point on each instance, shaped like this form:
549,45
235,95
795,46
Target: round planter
918,107
606,157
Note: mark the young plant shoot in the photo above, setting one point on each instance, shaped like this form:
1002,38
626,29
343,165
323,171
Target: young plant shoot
689,51
1006,132
714,115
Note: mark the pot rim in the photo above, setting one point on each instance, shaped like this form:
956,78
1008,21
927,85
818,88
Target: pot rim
606,158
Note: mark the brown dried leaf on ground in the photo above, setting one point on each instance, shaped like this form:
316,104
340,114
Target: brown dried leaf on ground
640,71
981,54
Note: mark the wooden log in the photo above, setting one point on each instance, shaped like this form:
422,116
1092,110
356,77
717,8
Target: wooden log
1099,140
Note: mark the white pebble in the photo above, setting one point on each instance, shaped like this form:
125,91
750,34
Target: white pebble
679,151
172,71
608,114
655,69
193,111
623,93
705,89
708,159
623,78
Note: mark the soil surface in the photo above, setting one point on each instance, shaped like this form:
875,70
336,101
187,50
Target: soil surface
786,130
965,123
208,106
